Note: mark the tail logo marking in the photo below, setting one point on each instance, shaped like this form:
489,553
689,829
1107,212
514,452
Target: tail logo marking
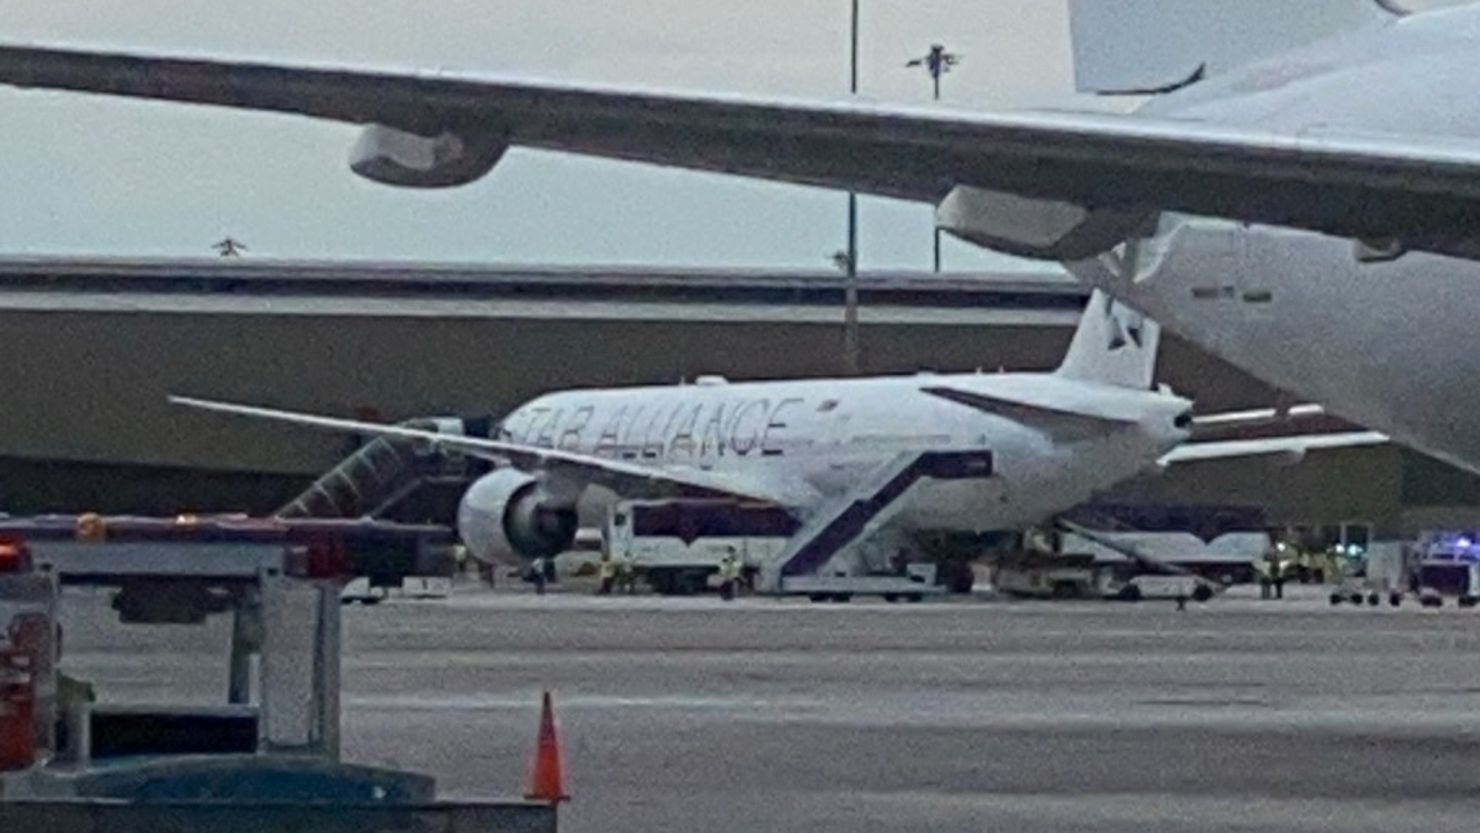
1127,325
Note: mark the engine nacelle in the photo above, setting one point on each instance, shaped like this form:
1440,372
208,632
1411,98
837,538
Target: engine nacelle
506,515
392,156
1036,228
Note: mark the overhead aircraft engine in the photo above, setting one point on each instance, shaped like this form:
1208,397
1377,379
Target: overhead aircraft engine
445,158
507,515
1038,228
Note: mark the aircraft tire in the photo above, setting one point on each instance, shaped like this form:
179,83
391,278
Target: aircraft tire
958,577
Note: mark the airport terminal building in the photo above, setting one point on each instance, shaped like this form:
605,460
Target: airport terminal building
101,344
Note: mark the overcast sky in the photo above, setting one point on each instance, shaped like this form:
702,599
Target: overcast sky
99,176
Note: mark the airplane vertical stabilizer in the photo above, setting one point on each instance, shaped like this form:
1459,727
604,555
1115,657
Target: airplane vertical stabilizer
1114,345
1146,45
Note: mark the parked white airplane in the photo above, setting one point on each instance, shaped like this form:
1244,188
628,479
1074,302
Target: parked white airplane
857,460
1302,195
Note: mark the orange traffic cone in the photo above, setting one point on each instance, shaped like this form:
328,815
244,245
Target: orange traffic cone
546,778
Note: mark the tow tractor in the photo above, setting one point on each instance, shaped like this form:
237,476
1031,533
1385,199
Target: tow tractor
267,755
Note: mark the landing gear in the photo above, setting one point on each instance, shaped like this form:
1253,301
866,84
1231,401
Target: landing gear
957,576
819,598
677,582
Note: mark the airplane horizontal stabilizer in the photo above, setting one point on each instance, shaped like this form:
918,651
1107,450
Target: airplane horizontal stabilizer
1142,46
1056,418
1292,449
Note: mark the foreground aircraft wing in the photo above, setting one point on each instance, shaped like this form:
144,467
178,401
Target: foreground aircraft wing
436,131
626,477
1294,448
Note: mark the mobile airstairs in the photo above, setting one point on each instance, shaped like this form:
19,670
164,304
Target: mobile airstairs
824,559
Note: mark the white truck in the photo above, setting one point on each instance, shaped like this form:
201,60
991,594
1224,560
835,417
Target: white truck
1231,558
676,545
1448,567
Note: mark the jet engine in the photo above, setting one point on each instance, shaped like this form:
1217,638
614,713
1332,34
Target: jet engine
449,157
507,515
1037,228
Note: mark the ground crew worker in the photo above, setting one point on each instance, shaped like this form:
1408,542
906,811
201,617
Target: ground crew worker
608,572
1265,567
537,572
728,573
626,575
73,696
1277,578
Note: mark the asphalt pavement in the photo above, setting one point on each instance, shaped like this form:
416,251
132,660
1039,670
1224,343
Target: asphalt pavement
762,715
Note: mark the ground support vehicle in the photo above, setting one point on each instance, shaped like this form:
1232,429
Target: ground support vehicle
267,756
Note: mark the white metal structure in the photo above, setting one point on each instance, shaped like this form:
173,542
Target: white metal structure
676,545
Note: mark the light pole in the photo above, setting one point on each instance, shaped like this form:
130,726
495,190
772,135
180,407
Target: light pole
937,62
850,257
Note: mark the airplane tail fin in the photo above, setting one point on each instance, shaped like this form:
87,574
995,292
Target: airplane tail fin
1144,46
1114,345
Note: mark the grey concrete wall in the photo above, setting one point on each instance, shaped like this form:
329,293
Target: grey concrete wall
91,387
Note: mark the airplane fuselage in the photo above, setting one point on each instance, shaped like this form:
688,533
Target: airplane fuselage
1391,344
814,439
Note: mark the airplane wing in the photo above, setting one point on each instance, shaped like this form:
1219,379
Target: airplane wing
437,131
632,480
1294,448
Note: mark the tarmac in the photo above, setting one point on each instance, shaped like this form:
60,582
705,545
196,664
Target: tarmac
693,714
